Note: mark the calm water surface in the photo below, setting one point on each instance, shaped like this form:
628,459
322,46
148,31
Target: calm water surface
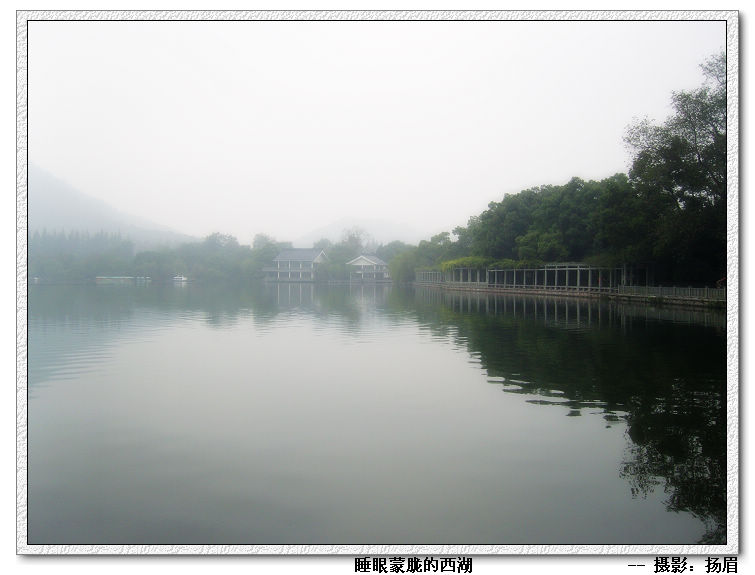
362,415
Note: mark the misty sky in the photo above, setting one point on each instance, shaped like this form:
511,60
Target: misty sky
284,127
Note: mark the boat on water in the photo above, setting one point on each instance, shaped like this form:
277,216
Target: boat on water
180,279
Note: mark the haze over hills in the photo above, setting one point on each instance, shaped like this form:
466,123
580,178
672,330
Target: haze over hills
56,206
377,231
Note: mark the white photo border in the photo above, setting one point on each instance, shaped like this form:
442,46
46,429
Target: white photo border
733,430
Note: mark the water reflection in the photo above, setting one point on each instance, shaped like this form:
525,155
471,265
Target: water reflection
569,312
658,372
623,362
92,319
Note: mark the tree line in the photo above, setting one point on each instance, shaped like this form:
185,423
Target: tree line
667,215
79,257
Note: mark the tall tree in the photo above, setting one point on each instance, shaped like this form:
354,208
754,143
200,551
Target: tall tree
685,157
679,168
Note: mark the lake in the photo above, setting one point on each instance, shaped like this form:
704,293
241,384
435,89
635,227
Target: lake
303,414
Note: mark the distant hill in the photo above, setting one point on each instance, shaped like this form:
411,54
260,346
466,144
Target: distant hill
54,205
380,231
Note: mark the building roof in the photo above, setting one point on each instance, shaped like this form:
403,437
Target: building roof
369,259
299,255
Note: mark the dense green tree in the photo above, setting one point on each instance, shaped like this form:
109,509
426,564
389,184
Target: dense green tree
322,244
389,251
669,215
619,222
685,157
75,256
161,266
679,168
218,241
352,244
402,266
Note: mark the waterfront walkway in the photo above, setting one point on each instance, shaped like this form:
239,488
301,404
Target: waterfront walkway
568,279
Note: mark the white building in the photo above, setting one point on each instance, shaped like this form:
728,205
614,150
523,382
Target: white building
368,268
295,265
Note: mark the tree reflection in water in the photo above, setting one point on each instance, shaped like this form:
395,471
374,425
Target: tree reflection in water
662,370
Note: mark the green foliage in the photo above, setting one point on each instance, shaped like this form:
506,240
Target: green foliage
543,245
322,244
160,266
78,257
668,215
389,251
350,246
264,250
685,157
472,262
403,265
427,255
73,256
505,264
679,173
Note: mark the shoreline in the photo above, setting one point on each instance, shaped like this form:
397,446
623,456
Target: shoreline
655,300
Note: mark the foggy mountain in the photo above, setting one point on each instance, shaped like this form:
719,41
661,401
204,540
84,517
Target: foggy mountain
379,231
54,205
